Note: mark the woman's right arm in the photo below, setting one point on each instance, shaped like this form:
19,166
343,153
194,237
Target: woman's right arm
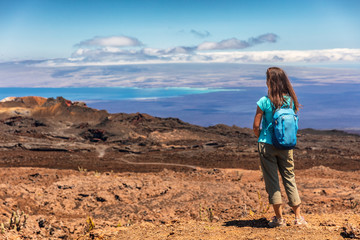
257,121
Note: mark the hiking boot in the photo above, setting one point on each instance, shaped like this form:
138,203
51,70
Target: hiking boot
300,221
277,222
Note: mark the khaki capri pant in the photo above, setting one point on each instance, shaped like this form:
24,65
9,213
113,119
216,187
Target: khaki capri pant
274,160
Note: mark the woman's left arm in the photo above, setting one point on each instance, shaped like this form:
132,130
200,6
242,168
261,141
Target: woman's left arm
257,121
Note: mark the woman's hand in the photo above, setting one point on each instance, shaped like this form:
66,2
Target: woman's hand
257,121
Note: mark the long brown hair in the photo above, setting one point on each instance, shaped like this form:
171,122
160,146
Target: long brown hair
278,86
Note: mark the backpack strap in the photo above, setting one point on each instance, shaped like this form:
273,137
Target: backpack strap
270,123
288,105
268,127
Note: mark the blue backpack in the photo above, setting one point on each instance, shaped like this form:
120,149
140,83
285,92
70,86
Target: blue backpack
284,128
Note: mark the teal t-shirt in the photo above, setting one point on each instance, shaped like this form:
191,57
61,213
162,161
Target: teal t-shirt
266,106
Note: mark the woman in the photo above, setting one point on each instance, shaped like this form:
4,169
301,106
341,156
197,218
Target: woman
280,93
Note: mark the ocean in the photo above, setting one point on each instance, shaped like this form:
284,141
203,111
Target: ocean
201,94
99,94
323,106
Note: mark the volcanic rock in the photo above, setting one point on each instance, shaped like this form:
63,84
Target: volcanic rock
140,142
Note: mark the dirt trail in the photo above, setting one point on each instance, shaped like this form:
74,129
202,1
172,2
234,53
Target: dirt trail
161,164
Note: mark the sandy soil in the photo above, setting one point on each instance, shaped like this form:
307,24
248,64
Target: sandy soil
197,204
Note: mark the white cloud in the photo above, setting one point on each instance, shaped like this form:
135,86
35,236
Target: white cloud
268,37
234,43
115,41
118,56
214,75
200,34
326,55
98,48
110,51
231,43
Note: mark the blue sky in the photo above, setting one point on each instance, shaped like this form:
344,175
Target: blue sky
221,44
108,32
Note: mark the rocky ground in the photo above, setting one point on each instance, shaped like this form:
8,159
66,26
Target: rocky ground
72,172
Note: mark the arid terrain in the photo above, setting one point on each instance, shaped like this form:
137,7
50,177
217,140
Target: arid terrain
72,172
